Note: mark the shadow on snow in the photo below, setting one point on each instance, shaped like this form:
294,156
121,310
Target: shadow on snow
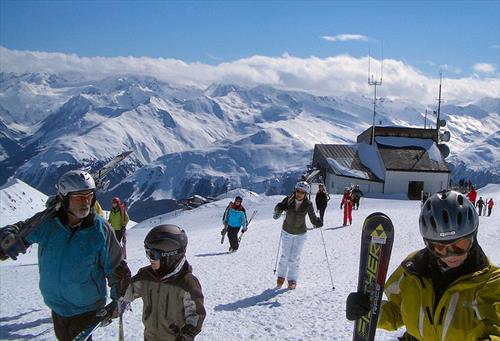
260,300
212,254
9,331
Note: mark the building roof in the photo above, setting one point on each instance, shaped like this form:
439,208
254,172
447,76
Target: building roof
366,135
344,160
410,159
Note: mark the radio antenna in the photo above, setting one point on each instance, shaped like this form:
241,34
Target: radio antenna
372,81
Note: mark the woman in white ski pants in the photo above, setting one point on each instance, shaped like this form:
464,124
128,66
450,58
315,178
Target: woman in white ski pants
293,235
291,248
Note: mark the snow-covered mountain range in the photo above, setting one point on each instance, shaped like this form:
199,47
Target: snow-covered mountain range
189,140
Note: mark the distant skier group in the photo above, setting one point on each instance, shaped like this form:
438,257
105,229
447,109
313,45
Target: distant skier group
448,290
480,204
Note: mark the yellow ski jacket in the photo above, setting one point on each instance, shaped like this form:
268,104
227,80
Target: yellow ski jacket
469,308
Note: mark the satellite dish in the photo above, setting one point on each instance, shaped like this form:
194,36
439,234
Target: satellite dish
445,136
442,123
444,149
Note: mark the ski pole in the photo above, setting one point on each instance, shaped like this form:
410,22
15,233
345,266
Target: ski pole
326,256
277,252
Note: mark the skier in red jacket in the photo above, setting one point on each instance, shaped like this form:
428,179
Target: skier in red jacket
346,203
472,195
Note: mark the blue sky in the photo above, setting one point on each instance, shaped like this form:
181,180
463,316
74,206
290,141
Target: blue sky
423,34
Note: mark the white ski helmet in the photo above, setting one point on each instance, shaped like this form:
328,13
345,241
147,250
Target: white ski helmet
446,216
74,181
303,186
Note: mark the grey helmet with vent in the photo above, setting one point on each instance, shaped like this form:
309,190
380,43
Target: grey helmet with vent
446,216
74,181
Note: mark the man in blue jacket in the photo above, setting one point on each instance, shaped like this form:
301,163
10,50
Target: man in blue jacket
77,252
234,219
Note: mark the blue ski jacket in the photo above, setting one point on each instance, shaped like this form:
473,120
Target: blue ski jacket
234,216
73,265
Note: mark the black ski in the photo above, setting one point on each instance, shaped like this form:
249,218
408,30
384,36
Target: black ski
376,245
53,204
248,223
223,234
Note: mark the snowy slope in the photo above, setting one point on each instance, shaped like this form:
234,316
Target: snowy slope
240,301
19,201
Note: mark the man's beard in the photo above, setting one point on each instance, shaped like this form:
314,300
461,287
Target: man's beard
82,212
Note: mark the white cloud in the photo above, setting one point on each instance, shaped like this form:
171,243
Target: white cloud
484,67
496,46
345,37
335,75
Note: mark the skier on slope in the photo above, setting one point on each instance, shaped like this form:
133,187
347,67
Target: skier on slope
346,203
357,193
234,219
479,205
321,199
490,206
447,291
77,250
472,195
172,297
118,218
294,231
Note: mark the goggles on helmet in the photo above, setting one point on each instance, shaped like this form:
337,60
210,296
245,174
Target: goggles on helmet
455,248
153,254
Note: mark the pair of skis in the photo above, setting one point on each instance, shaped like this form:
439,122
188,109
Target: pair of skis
224,230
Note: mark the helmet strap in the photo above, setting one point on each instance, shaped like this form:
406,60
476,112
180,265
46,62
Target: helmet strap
177,269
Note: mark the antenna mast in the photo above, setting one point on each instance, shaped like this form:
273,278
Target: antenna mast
373,82
439,100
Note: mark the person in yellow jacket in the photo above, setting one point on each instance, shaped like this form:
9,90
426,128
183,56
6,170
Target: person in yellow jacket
98,209
118,218
447,291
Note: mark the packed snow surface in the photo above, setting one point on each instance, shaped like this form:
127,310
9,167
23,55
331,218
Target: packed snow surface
240,298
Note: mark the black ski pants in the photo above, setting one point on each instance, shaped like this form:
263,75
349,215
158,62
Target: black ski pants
232,235
119,235
322,213
66,328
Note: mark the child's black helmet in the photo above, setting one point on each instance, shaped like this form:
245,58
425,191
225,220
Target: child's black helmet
446,216
166,243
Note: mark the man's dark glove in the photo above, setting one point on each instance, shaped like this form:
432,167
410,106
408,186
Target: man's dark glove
9,236
187,333
120,280
357,305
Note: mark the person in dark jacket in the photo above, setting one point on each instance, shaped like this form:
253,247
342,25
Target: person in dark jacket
293,234
479,205
357,193
234,219
173,304
77,251
321,199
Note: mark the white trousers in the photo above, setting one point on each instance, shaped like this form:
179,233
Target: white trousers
291,248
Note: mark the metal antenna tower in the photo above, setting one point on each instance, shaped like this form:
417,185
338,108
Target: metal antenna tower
439,102
374,82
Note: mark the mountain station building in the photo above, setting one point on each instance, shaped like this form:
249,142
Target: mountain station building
400,160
